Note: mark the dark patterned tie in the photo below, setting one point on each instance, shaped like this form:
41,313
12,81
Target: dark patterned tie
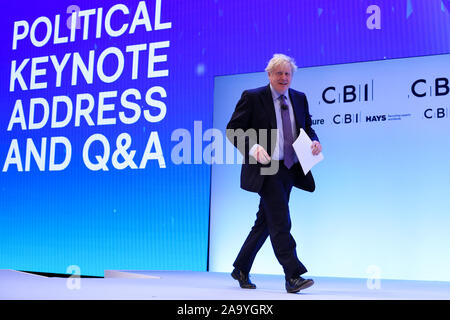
289,153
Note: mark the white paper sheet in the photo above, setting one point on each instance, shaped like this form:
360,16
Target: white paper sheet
302,148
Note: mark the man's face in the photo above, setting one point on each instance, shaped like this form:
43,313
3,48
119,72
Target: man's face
280,78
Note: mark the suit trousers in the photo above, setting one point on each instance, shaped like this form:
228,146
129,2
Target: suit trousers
273,219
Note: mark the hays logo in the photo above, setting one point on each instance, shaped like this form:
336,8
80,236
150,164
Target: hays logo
377,118
348,93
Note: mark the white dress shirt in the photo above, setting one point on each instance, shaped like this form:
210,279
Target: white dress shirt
278,153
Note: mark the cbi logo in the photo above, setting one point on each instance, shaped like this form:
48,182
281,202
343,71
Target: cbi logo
438,87
436,113
347,118
357,118
348,93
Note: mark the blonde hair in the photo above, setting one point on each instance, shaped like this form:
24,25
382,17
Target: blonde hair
280,59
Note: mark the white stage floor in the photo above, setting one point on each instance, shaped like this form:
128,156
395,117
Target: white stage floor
184,285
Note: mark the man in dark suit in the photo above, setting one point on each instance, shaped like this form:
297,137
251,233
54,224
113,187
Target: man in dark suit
263,126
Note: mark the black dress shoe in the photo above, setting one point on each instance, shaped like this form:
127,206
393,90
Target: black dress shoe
297,284
243,278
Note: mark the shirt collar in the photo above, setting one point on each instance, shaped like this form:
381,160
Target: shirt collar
276,95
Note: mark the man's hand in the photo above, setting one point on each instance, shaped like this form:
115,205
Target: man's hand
261,155
316,148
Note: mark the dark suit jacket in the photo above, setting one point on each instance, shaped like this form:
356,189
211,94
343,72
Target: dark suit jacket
255,113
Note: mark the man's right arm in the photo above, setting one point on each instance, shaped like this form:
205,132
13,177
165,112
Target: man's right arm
241,134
